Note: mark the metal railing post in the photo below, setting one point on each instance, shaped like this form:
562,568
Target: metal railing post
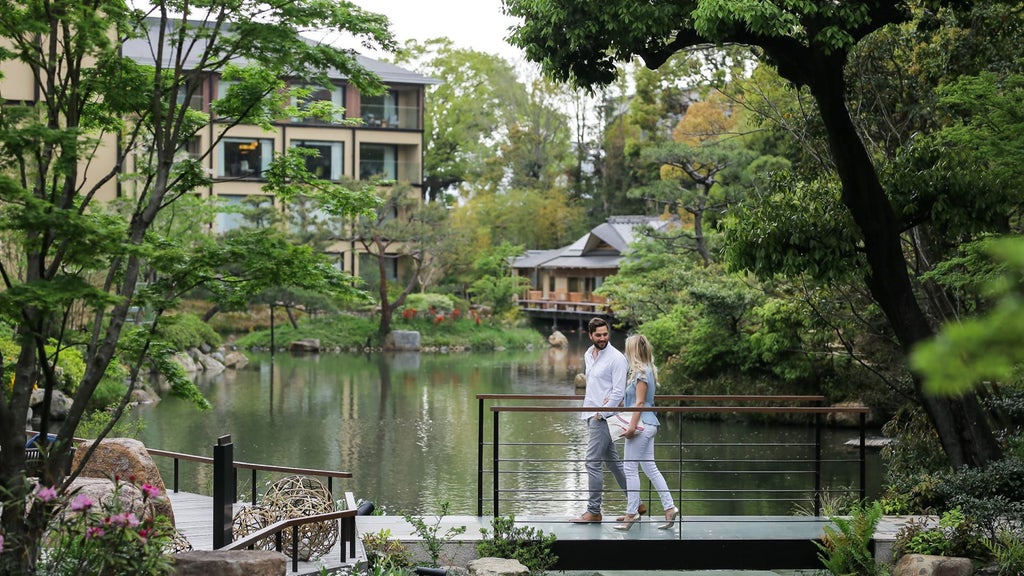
863,457
494,464
223,494
480,457
817,464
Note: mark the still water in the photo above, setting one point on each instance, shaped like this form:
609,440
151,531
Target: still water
405,426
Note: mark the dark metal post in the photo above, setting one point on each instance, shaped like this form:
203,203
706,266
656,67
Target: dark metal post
863,456
494,465
175,475
817,464
272,339
223,496
480,457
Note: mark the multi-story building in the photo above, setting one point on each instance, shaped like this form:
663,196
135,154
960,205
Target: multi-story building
387,144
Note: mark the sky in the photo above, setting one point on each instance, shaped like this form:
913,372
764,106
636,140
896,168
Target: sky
475,24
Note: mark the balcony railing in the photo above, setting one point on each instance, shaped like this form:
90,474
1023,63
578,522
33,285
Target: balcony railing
401,171
584,302
391,117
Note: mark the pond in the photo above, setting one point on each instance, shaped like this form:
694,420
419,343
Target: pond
405,426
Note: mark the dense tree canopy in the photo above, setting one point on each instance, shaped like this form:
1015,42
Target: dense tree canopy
809,45
72,266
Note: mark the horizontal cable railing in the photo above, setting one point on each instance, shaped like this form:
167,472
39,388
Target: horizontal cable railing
759,472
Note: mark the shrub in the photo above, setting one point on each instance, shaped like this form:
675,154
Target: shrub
530,546
108,391
184,331
433,540
87,538
1007,550
954,536
846,549
384,554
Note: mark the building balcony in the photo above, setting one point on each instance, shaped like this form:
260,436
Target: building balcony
578,302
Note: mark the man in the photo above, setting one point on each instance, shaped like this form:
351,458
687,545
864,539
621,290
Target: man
606,381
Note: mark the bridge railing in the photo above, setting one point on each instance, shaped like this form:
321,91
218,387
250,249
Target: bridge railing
758,471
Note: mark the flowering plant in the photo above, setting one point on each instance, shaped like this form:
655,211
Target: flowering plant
106,538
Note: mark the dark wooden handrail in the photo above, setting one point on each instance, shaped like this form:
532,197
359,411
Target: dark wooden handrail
254,467
348,533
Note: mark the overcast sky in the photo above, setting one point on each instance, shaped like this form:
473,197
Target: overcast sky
475,24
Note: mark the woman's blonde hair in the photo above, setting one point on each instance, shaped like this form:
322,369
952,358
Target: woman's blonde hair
639,353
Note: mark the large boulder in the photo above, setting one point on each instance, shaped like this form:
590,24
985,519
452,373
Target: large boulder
403,340
558,340
208,364
127,459
305,346
60,404
925,565
235,360
488,566
229,563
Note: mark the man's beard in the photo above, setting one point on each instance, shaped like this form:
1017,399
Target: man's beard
601,345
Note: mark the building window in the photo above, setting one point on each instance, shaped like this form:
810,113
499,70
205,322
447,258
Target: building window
335,95
195,101
229,212
244,157
329,163
378,160
381,111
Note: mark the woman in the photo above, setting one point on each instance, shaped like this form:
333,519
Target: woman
640,385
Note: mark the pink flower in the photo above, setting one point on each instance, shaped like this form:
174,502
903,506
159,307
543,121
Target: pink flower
150,491
1,543
94,532
123,519
45,493
81,503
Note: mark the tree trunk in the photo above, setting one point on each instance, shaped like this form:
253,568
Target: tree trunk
960,422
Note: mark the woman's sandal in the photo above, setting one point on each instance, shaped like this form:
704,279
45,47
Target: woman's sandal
670,520
627,522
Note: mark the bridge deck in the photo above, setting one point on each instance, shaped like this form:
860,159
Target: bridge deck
696,543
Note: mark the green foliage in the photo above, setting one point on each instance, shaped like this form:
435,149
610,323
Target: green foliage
107,537
95,421
529,545
108,392
792,229
955,535
992,496
911,461
184,331
845,548
384,554
1007,550
433,539
986,347
425,301
496,286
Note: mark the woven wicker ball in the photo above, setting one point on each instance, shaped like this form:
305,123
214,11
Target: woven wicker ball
251,519
298,496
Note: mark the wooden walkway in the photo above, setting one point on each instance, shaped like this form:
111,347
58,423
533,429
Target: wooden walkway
697,543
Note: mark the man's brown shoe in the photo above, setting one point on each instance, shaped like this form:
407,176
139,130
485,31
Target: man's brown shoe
587,518
639,512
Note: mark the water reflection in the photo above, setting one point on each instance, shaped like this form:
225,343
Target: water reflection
405,425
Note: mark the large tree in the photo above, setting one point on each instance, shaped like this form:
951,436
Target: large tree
75,254
809,44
